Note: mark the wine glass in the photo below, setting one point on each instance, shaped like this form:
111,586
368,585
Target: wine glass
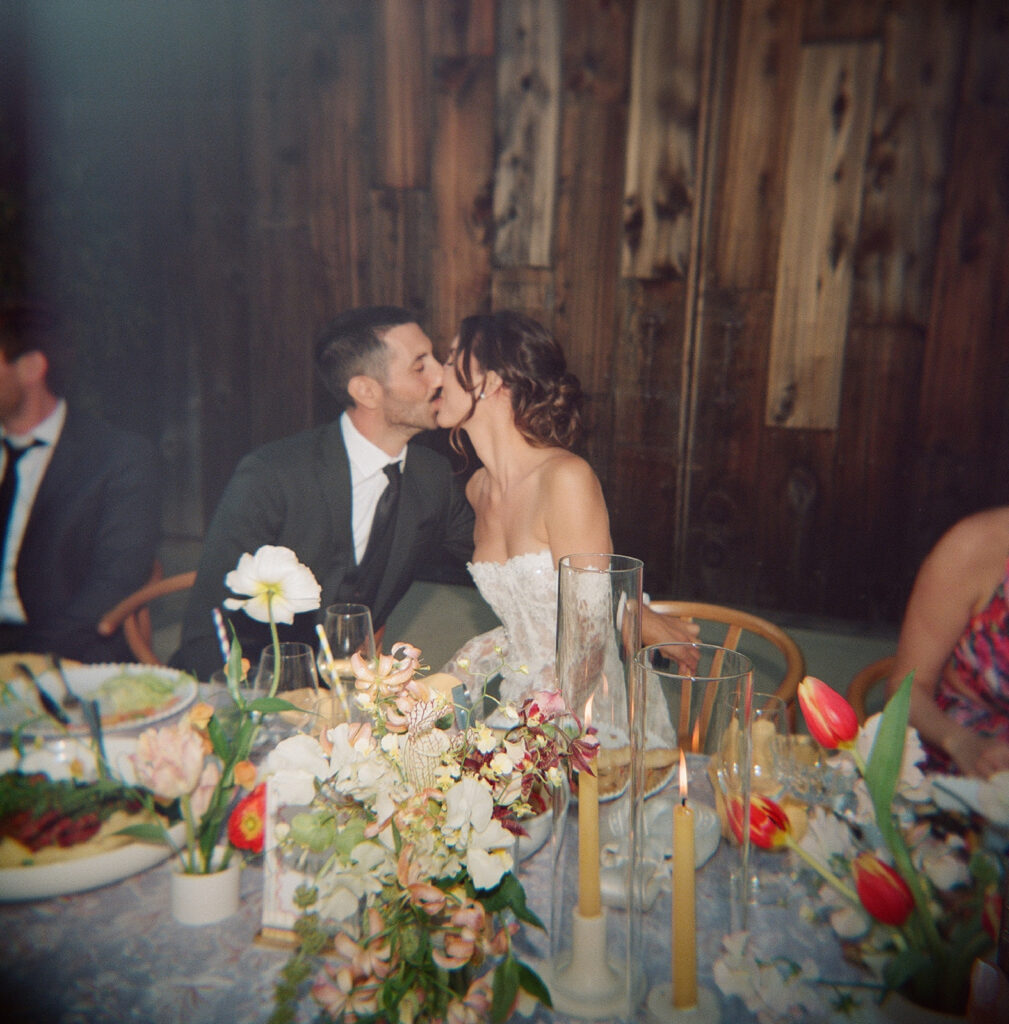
348,631
296,681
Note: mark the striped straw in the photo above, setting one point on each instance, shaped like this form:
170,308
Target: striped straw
222,634
327,651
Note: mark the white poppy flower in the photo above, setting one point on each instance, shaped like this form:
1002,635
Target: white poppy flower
272,582
298,753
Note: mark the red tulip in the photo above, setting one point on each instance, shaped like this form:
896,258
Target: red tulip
882,891
831,719
768,822
246,824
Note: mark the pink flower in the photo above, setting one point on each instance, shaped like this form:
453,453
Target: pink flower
543,706
349,989
423,894
474,1007
831,719
454,945
169,761
204,792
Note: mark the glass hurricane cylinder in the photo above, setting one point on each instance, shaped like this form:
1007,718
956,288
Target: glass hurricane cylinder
594,966
690,697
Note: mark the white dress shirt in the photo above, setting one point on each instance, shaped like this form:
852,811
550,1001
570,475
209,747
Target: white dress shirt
367,479
31,468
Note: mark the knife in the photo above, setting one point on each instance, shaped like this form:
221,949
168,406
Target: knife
92,715
51,708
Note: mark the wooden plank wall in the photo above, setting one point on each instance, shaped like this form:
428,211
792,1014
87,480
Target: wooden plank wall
771,235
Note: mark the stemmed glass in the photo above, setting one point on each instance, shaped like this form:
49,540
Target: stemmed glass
348,631
297,681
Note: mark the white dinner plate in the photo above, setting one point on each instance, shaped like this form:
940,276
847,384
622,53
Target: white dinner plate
64,759
20,705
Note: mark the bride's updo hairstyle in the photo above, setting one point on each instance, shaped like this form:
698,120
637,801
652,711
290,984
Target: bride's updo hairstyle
546,399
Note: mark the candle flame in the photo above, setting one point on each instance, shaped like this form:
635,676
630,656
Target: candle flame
683,775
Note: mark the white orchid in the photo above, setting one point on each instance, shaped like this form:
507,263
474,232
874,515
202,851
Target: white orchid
295,763
274,584
343,885
469,822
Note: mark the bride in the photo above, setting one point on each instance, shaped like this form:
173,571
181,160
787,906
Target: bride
506,384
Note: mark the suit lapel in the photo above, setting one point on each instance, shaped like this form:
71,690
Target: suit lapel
333,474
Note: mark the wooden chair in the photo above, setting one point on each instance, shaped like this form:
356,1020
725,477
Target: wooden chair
132,614
738,623
864,682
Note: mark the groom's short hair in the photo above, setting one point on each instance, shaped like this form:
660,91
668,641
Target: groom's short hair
354,344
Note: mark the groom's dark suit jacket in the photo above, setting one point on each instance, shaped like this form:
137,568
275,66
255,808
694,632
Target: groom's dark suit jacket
296,493
91,540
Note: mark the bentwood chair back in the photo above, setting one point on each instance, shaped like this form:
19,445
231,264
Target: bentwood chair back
737,630
865,689
132,614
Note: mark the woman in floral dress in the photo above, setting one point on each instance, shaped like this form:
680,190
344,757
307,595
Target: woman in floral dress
955,638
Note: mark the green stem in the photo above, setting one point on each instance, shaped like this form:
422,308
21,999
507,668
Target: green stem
276,646
187,817
845,891
858,759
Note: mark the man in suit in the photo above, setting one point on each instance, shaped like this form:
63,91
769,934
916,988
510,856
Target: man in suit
79,504
317,492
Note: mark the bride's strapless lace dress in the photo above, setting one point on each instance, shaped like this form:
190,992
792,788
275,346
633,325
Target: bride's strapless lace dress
523,594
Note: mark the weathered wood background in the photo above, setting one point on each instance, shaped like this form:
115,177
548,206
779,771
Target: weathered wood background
772,235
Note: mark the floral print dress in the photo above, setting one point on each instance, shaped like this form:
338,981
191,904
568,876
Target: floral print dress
974,690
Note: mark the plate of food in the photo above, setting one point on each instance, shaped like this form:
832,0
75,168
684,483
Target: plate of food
128,695
59,823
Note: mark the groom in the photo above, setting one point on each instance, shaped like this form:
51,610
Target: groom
325,492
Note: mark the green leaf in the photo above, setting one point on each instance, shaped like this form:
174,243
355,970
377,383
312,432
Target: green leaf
506,987
508,894
904,966
308,830
887,757
984,867
266,705
532,983
217,738
148,833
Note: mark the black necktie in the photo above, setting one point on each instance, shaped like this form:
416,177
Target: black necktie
360,584
9,489
385,516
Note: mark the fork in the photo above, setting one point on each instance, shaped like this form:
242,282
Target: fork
69,700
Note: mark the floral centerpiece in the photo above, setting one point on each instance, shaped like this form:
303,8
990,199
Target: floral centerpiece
408,840
203,759
913,903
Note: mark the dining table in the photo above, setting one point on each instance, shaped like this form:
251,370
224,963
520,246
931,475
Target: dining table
116,954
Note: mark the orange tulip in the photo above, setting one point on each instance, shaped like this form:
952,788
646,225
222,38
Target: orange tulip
882,891
768,822
831,719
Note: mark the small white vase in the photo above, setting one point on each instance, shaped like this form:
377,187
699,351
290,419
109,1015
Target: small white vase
204,899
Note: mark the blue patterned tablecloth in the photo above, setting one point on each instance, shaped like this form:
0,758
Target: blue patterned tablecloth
116,954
